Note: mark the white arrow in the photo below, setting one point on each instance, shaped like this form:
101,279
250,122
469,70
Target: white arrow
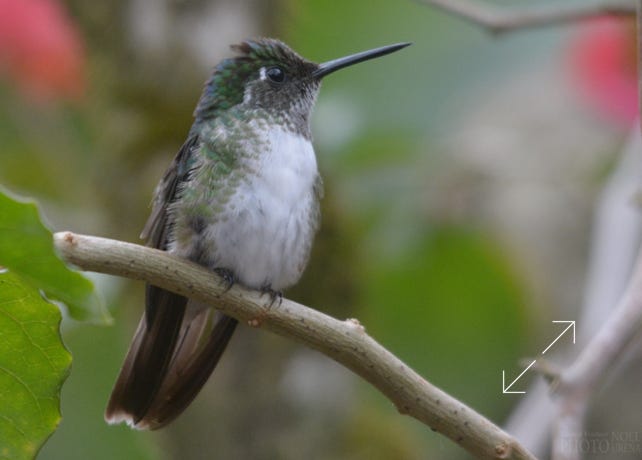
571,325
505,389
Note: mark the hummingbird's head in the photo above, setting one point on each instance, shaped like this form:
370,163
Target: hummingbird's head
269,75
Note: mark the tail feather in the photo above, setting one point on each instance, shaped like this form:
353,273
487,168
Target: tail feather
182,385
170,358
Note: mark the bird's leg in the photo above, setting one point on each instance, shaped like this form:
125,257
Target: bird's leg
229,278
274,295
267,289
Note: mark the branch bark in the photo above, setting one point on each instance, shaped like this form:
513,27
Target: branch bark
579,382
344,341
500,19
614,242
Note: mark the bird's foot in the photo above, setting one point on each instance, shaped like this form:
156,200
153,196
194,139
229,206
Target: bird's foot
274,295
229,278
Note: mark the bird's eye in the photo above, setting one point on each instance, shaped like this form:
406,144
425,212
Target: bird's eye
276,74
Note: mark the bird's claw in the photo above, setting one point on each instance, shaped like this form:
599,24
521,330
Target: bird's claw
229,278
267,289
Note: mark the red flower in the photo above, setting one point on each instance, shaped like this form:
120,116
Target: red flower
603,67
40,49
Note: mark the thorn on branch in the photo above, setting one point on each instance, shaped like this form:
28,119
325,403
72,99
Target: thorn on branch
68,237
551,372
503,450
355,324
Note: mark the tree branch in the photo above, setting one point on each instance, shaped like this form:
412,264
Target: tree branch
344,341
619,324
580,381
499,19
615,240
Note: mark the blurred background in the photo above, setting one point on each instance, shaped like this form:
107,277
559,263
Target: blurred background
461,179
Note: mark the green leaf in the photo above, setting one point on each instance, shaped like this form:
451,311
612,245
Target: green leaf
33,366
26,248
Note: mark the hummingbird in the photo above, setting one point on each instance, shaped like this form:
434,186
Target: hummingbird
240,198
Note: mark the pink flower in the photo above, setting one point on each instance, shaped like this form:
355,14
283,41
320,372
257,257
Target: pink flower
603,68
41,50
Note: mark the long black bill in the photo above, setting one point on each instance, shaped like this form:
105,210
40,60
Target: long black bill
331,66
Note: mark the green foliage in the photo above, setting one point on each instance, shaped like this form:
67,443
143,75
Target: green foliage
26,249
83,434
33,360
33,365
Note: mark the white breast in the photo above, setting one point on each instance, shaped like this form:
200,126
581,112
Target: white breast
266,232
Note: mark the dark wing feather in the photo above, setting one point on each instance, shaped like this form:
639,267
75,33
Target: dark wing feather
155,230
177,345
153,344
